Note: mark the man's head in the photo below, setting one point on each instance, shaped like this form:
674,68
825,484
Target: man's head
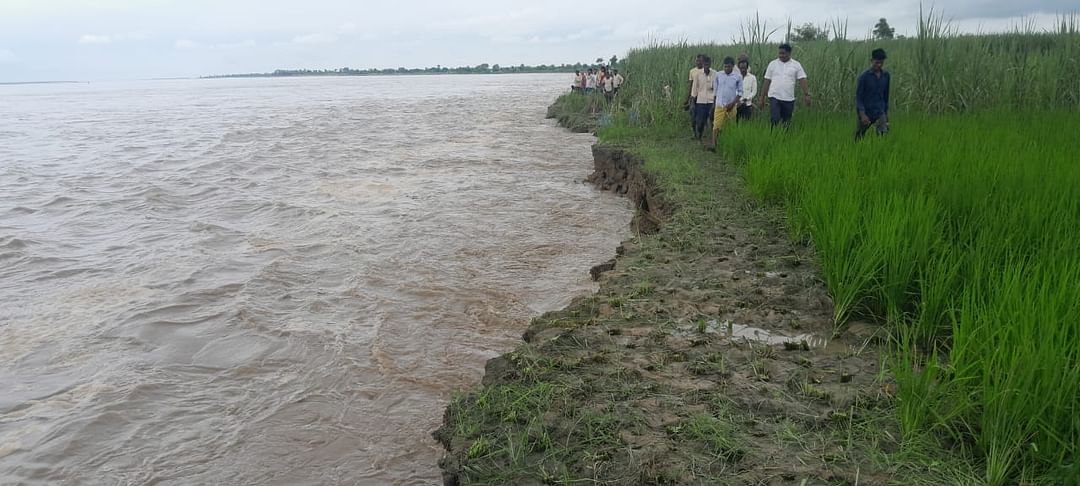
729,64
577,72
706,63
616,71
744,65
785,52
700,61
877,59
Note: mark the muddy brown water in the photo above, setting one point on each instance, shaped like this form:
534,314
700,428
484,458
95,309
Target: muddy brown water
274,281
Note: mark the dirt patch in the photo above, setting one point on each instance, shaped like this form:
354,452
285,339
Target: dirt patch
707,357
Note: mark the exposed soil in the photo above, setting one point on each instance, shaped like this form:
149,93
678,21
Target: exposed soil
707,357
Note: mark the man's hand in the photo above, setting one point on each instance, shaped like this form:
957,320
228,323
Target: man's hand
761,101
730,106
865,120
808,100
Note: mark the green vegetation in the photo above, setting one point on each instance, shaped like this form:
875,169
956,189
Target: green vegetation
957,231
936,71
951,246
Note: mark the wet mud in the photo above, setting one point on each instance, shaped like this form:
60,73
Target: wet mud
708,356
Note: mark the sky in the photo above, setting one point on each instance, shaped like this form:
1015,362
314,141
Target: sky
93,40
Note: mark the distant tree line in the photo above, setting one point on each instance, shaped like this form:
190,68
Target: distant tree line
478,69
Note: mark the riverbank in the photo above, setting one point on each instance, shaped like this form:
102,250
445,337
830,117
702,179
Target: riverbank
707,356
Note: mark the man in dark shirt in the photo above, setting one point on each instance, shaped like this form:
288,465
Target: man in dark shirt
872,96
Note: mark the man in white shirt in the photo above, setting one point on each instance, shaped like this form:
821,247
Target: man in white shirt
590,82
745,111
608,84
703,92
618,81
781,77
577,82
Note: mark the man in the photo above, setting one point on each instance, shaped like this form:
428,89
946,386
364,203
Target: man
699,63
872,96
608,84
728,88
577,82
618,81
781,77
702,91
745,110
590,81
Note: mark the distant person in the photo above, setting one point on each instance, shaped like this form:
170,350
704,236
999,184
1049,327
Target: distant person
609,85
699,64
702,91
872,96
577,82
781,77
745,111
728,89
590,82
618,81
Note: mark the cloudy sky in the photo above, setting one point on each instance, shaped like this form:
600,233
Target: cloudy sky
131,39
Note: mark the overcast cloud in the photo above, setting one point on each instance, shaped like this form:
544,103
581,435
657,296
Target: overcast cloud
126,39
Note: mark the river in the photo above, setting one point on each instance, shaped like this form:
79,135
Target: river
274,281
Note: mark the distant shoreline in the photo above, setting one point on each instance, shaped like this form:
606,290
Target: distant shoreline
15,83
482,69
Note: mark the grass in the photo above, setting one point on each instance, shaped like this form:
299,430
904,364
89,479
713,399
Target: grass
937,71
958,230
956,233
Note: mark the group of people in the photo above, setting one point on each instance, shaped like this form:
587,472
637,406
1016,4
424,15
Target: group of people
720,96
604,80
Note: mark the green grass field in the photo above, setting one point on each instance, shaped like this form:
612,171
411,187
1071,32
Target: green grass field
958,231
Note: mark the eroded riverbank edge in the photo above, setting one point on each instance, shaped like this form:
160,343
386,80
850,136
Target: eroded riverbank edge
706,357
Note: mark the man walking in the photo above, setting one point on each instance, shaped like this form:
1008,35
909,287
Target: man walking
745,110
590,82
618,81
699,65
872,96
781,77
728,87
608,85
702,91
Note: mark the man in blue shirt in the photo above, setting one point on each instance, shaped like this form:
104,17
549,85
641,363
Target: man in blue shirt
728,88
872,96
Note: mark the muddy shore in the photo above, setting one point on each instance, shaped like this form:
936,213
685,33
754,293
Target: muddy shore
708,356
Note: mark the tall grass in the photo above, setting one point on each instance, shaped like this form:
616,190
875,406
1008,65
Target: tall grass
961,229
961,232
937,71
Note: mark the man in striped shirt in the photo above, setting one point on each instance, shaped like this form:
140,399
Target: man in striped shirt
728,88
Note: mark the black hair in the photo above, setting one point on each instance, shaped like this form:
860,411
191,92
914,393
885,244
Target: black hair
785,47
878,54
729,60
707,59
701,56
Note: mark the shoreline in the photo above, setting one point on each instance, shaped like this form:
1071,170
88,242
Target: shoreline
706,355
